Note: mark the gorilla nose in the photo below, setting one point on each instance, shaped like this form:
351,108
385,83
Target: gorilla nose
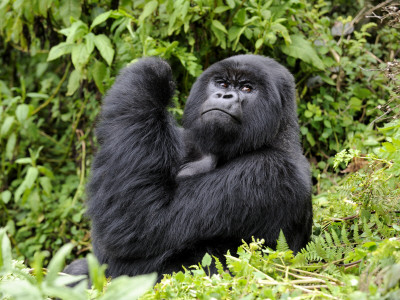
226,96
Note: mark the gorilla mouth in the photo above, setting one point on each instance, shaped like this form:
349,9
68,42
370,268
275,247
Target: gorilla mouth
223,111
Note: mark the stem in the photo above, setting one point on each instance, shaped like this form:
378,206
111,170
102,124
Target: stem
79,189
47,102
78,118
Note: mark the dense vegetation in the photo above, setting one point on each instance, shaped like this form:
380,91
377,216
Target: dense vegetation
58,59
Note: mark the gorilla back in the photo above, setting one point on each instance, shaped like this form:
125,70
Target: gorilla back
160,197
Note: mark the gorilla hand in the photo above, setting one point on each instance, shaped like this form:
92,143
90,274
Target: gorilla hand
205,164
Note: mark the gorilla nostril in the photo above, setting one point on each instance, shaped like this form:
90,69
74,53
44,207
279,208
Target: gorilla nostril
228,96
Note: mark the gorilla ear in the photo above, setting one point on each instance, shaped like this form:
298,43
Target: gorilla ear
287,89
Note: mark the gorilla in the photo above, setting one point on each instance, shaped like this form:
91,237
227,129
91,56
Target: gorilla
160,196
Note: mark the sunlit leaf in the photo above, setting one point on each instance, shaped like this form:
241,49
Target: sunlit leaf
103,44
99,73
59,50
73,82
70,8
217,24
57,262
127,288
148,9
302,49
7,125
5,250
22,112
100,19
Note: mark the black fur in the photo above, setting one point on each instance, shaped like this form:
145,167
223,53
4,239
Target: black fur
244,177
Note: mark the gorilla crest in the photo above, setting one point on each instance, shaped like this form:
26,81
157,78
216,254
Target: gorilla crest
161,197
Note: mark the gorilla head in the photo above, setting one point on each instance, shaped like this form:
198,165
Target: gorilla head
239,105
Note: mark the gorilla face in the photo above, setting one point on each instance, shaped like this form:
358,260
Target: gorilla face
235,106
224,105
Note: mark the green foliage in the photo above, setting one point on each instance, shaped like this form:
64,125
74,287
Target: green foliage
59,58
18,282
262,273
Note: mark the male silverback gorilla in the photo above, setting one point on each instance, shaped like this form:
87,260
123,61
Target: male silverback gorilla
161,197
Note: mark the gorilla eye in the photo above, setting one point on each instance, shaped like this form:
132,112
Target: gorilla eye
223,84
246,88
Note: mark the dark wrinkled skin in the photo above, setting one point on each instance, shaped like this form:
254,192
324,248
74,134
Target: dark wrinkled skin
161,197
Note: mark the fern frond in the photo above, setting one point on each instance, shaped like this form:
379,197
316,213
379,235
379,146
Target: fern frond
356,236
281,243
344,235
219,266
335,237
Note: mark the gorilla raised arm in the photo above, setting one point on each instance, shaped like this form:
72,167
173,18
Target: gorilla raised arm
160,198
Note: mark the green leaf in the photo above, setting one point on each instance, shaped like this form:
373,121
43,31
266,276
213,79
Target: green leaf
73,82
103,44
38,264
7,124
220,37
231,3
57,263
45,182
355,103
327,123
101,18
46,172
217,24
302,49
99,73
308,114
76,32
221,9
259,43
389,147
234,32
11,142
6,196
37,95
22,113
327,79
43,6
128,288
392,277
277,27
20,289
180,276
253,20
362,93
59,50
240,17
5,251
148,9
24,161
59,290
310,139
80,56
96,272
70,8
30,177
89,41
206,261
28,182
